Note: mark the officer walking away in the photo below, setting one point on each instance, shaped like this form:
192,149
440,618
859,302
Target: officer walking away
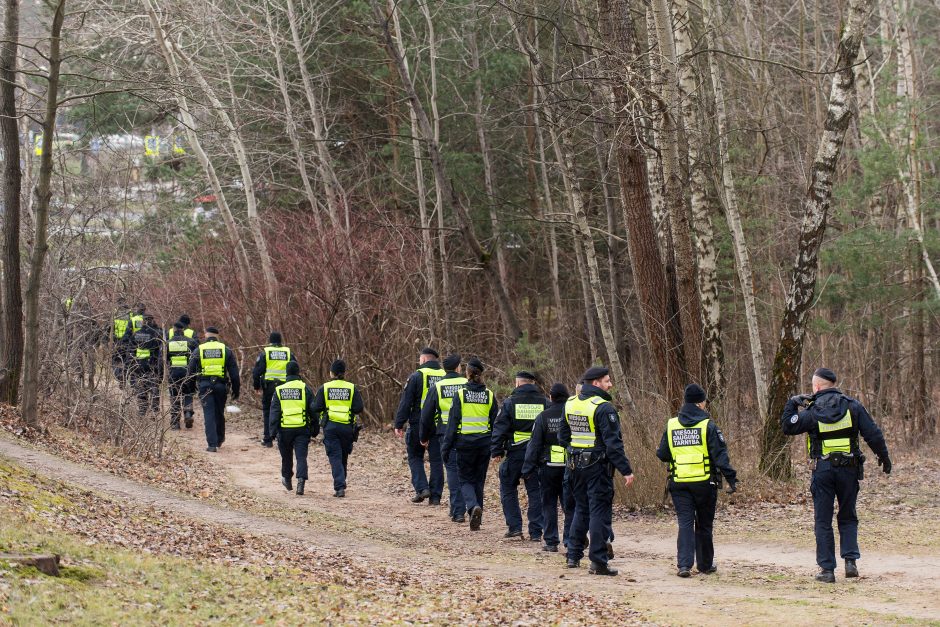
121,334
293,423
545,456
409,413
511,433
270,371
695,450
337,404
435,414
215,369
146,366
187,330
469,428
591,434
179,350
832,422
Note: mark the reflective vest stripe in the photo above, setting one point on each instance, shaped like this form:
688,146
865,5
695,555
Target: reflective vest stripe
580,418
836,437
689,449
525,413
338,395
212,359
142,353
293,398
474,412
179,353
189,332
447,389
275,363
120,328
137,322
556,456
429,377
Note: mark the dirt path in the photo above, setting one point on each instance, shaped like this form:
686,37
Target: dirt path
376,522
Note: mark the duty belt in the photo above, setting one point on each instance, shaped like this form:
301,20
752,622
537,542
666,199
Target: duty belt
840,460
580,458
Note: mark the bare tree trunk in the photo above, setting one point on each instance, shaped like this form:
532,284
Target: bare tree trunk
649,276
40,237
775,457
549,212
189,124
11,303
729,195
449,196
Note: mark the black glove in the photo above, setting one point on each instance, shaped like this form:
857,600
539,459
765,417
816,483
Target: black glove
799,399
732,487
885,463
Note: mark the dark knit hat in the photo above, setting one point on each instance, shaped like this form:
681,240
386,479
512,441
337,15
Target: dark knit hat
185,320
214,330
275,337
451,362
427,350
825,373
474,362
178,325
595,372
525,374
558,392
293,368
338,367
694,393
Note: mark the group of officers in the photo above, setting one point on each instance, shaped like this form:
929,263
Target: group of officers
566,450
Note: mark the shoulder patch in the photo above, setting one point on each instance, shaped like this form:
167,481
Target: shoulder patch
613,418
721,436
795,418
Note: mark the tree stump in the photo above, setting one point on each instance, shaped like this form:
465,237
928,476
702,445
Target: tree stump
48,564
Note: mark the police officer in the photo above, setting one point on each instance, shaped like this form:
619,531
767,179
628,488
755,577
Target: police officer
215,367
435,414
832,422
293,423
591,434
179,350
121,333
146,366
270,371
695,450
409,412
187,331
511,434
545,456
337,404
469,427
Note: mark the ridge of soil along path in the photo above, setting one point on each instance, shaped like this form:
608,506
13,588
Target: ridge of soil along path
376,523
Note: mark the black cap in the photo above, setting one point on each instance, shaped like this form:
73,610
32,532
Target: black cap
474,362
427,350
275,338
293,368
451,362
558,392
177,325
338,367
185,320
825,373
594,372
525,374
213,330
694,393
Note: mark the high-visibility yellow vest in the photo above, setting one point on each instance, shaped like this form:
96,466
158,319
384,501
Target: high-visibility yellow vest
429,377
212,358
137,322
837,437
142,353
338,395
178,350
275,363
447,390
186,332
474,411
526,414
120,327
689,449
556,456
189,333
579,414
293,398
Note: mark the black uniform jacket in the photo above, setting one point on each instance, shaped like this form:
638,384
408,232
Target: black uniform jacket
261,366
454,440
409,408
319,408
275,418
231,369
431,410
607,425
829,406
544,436
506,425
689,416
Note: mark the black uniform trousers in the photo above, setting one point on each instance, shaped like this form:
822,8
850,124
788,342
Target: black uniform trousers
472,464
552,480
267,393
213,395
293,442
593,488
510,473
695,509
338,442
181,397
829,484
146,385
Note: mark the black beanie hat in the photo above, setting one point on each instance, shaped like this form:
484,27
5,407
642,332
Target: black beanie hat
293,368
338,367
275,337
525,374
558,392
185,320
427,350
177,325
451,362
214,330
825,373
694,393
595,372
474,362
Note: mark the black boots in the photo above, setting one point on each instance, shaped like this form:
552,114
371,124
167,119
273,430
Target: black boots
513,534
419,498
300,486
685,573
189,420
212,449
435,500
602,569
825,576
340,493
570,563
285,481
476,518
851,570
